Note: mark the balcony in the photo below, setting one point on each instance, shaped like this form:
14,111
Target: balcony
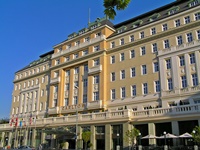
81,45
179,48
53,110
95,69
30,88
55,80
95,104
175,112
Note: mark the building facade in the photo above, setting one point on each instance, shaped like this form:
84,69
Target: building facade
106,78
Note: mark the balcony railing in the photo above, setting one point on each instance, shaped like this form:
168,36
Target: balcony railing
95,69
81,45
179,47
95,104
53,110
114,116
55,80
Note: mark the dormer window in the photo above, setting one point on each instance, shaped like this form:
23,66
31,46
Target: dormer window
121,29
82,31
137,23
154,17
95,26
98,34
193,3
173,10
72,35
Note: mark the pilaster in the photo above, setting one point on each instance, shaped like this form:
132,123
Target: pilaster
93,137
151,129
108,136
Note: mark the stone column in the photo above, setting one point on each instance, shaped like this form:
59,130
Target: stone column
188,68
2,139
175,131
197,58
25,137
152,131
33,137
108,136
43,137
10,138
93,137
175,74
79,138
126,127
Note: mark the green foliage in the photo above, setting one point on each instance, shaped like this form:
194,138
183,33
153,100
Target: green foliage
131,135
112,5
86,137
4,120
196,135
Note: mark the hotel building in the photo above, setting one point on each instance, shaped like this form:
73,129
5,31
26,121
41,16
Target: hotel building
143,73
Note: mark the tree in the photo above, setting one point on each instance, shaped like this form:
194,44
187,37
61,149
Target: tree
131,136
4,120
86,137
196,134
112,5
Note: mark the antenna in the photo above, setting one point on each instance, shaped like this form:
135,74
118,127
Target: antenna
88,16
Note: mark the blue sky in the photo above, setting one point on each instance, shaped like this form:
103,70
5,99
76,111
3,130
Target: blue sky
29,28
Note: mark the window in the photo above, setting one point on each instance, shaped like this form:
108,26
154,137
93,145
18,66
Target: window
154,47
76,84
189,37
42,93
96,96
43,79
170,84
96,79
182,60
67,73
132,38
187,19
192,58
177,23
96,48
75,100
157,86
66,102
96,62
113,94
168,63
132,53
123,92
112,59
87,39
85,68
193,3
164,27
55,103
153,31
122,74
143,50
184,81
112,45
77,43
144,69
133,73
66,58
122,57
85,98
85,52
198,34
67,87
69,46
166,44
156,66
134,92
145,88
75,55
142,34
194,79
197,16
98,34
179,40
85,82
113,76
57,62
76,70
122,41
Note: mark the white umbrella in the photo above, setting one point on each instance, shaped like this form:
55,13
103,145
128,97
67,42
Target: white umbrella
168,136
185,135
149,137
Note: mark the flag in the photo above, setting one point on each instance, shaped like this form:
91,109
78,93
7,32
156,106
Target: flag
30,119
16,121
20,123
12,120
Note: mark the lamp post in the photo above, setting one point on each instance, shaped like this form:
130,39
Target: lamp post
139,146
165,146
76,146
118,146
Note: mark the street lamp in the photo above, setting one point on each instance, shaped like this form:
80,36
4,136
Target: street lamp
76,147
139,138
194,132
165,146
118,146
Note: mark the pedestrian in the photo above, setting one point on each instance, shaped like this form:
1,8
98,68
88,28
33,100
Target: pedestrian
40,147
